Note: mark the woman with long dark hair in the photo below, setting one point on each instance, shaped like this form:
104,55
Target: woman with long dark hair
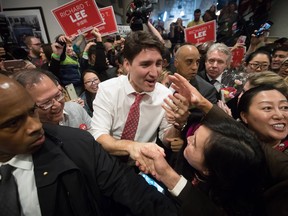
90,81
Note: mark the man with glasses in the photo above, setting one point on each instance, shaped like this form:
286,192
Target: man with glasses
34,49
49,98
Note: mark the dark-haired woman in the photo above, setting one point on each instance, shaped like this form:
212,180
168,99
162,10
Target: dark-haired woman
225,160
264,109
90,81
257,61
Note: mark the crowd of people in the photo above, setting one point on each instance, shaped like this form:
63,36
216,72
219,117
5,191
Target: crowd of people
213,136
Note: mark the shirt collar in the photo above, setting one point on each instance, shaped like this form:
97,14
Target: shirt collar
219,78
21,161
129,88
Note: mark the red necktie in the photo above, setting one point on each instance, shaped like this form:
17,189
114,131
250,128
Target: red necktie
131,124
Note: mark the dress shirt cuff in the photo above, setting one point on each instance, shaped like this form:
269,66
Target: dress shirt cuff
178,187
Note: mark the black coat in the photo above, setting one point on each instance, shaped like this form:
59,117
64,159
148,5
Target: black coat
75,176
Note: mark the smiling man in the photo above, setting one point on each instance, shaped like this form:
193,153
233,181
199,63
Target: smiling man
115,98
63,170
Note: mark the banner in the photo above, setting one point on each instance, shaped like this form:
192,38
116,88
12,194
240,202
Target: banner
237,57
110,23
78,16
201,33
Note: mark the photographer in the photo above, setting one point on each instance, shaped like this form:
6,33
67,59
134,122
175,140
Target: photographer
138,13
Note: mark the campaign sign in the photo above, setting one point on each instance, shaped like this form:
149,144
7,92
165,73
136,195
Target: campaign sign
110,23
78,16
201,33
237,57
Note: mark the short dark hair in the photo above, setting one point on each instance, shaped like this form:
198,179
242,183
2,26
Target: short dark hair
280,48
197,10
139,40
31,76
253,54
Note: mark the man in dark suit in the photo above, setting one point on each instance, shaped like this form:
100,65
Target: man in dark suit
62,170
218,59
186,62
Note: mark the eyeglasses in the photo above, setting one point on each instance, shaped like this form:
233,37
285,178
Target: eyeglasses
91,82
47,105
263,66
284,65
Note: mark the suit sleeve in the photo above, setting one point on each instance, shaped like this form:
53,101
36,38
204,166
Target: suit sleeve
120,182
193,201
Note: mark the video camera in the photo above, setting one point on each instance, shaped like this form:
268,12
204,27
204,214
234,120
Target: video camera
138,12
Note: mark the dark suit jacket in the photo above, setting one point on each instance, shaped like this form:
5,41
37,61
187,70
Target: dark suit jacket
276,196
205,88
75,176
208,91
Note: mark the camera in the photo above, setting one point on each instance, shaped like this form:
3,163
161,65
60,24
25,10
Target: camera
138,13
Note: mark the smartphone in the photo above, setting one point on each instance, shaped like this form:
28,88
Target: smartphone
14,64
264,28
152,182
71,91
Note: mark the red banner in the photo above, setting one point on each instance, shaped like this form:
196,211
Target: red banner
78,16
110,23
237,57
201,33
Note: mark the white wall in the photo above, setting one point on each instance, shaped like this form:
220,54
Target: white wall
52,25
279,16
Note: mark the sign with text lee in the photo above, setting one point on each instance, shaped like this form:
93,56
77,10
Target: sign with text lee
78,16
201,33
110,23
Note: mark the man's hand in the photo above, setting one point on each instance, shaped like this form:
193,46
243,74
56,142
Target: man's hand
159,168
135,153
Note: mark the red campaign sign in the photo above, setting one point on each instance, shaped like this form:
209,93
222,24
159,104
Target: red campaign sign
201,33
237,57
78,16
110,23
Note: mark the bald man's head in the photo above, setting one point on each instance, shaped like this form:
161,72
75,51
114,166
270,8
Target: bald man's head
187,60
20,128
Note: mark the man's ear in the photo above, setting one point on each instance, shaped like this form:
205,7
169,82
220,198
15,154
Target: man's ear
126,65
164,63
244,117
176,63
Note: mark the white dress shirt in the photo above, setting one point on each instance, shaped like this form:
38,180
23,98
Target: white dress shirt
75,115
25,180
112,104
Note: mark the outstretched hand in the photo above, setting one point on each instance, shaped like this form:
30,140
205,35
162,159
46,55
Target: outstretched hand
193,96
